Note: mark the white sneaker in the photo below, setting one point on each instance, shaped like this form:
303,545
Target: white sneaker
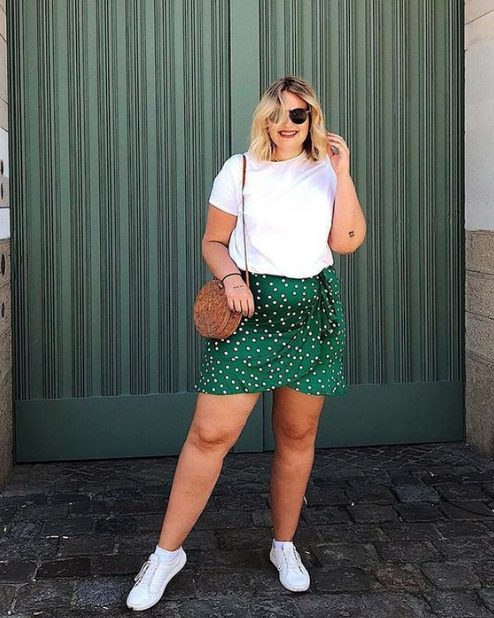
152,580
293,574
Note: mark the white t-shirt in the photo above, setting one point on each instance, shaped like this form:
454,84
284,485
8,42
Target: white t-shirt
288,211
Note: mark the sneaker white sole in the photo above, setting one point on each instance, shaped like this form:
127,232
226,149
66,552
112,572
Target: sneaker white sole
288,586
178,567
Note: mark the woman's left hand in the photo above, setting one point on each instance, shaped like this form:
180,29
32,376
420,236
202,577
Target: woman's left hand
341,160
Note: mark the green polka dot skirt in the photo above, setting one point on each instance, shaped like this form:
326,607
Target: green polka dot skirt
296,337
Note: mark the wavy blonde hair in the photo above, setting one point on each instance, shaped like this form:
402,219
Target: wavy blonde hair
272,107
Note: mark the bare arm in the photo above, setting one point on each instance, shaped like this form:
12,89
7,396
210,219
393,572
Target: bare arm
349,228
219,228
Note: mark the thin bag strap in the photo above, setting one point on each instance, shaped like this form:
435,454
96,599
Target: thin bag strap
243,220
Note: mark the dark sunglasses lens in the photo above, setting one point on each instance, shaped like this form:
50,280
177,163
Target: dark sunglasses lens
299,115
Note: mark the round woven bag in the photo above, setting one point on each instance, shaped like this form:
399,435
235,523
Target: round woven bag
213,318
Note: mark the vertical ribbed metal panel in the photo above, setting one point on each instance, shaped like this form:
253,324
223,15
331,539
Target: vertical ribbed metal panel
121,115
122,112
388,76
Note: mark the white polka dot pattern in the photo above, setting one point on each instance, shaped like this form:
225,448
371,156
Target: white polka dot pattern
296,338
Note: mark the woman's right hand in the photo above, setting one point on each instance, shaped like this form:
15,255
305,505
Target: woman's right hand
239,296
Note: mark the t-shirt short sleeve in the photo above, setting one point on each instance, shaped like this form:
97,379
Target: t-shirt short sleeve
226,193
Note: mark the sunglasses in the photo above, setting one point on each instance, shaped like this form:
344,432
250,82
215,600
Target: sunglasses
299,115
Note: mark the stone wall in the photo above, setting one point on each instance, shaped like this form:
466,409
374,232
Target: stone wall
479,223
6,421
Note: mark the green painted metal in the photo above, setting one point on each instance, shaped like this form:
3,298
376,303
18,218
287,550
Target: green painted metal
121,113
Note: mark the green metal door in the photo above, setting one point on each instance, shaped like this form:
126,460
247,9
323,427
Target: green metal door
122,112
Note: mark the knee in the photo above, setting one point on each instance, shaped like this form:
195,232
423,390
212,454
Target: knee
211,439
295,437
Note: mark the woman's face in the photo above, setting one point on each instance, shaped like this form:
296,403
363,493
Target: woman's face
290,143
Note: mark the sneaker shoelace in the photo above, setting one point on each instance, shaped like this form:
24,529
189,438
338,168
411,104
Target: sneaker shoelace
293,560
147,574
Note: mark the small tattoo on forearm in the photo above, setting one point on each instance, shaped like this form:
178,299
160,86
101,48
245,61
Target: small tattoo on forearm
351,233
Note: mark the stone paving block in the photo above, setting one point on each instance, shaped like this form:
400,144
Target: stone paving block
485,571
228,607
223,519
467,509
94,507
7,513
205,540
7,595
354,533
236,583
75,525
487,596
395,605
452,604
268,608
21,531
44,594
68,498
114,525
102,592
420,531
416,493
220,559
144,522
468,491
342,579
262,518
489,525
16,571
372,513
78,566
465,549
28,548
398,577
41,512
238,502
347,554
119,564
154,504
140,542
342,605
372,494
450,575
244,538
454,529
326,496
407,551
128,506
90,545
325,515
419,512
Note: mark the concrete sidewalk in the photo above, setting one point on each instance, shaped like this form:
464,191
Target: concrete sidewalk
392,531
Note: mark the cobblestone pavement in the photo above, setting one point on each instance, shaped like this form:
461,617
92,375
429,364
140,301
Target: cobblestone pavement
397,531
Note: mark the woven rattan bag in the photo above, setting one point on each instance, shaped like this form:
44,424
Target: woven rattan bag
213,318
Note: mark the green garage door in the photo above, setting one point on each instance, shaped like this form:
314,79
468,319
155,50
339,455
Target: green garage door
122,112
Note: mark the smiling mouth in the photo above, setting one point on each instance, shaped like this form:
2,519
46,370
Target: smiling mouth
288,133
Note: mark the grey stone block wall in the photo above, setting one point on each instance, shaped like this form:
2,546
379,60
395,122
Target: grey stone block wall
479,225
6,412
479,339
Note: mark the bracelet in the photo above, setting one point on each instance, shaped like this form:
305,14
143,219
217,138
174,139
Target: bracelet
229,274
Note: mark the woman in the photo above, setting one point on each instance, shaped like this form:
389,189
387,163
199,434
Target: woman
300,205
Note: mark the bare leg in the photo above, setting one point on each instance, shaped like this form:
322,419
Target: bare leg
217,423
295,421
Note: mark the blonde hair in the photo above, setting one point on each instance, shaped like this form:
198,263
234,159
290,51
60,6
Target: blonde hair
272,107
